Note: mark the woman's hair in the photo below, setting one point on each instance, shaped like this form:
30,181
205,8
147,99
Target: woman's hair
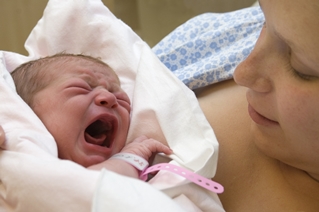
33,76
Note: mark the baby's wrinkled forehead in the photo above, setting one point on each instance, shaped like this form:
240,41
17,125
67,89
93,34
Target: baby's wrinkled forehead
81,65
94,72
96,76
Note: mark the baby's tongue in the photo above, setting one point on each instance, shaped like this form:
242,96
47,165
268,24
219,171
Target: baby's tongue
97,139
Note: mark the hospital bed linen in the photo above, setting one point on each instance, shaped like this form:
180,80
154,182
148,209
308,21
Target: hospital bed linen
207,48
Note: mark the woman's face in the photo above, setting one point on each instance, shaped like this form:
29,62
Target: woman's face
85,110
282,76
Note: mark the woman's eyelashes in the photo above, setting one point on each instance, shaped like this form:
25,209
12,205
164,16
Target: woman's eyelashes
297,72
301,75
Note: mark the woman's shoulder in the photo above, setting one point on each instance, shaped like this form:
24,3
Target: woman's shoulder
225,107
252,181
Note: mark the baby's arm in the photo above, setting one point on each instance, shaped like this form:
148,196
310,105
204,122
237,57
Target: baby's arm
141,146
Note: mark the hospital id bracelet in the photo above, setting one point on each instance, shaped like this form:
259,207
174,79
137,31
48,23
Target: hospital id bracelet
193,177
141,164
136,161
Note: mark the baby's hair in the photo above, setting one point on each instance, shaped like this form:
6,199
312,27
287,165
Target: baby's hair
33,76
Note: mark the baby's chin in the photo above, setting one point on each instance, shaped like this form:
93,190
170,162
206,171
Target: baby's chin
90,160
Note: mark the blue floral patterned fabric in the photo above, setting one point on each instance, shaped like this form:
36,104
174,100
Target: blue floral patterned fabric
207,48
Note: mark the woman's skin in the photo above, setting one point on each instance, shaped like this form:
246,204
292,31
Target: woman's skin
267,120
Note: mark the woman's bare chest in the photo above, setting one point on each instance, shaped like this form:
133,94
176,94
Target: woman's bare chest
252,181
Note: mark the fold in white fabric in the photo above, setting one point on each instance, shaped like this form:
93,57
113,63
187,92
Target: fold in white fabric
34,179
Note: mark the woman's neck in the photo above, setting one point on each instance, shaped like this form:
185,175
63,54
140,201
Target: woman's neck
301,180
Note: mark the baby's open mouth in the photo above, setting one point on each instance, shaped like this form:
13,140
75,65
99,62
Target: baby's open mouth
99,133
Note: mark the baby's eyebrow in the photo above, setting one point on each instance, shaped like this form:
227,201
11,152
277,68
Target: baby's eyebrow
90,79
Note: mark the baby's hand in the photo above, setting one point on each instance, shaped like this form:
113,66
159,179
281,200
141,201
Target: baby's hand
145,147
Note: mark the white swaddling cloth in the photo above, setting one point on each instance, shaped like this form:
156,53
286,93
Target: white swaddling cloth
34,179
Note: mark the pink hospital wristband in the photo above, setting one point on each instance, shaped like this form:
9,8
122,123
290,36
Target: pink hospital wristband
141,164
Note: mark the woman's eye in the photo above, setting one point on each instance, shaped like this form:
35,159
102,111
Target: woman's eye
302,76
301,72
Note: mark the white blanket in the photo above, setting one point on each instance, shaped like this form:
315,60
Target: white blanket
34,179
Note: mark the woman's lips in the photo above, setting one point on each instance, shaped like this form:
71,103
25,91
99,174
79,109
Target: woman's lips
259,119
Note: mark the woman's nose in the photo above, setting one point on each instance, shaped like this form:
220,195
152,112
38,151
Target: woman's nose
253,71
106,99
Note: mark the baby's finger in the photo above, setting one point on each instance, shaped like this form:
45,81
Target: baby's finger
157,146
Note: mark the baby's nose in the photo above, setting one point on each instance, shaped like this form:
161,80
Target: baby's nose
106,99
